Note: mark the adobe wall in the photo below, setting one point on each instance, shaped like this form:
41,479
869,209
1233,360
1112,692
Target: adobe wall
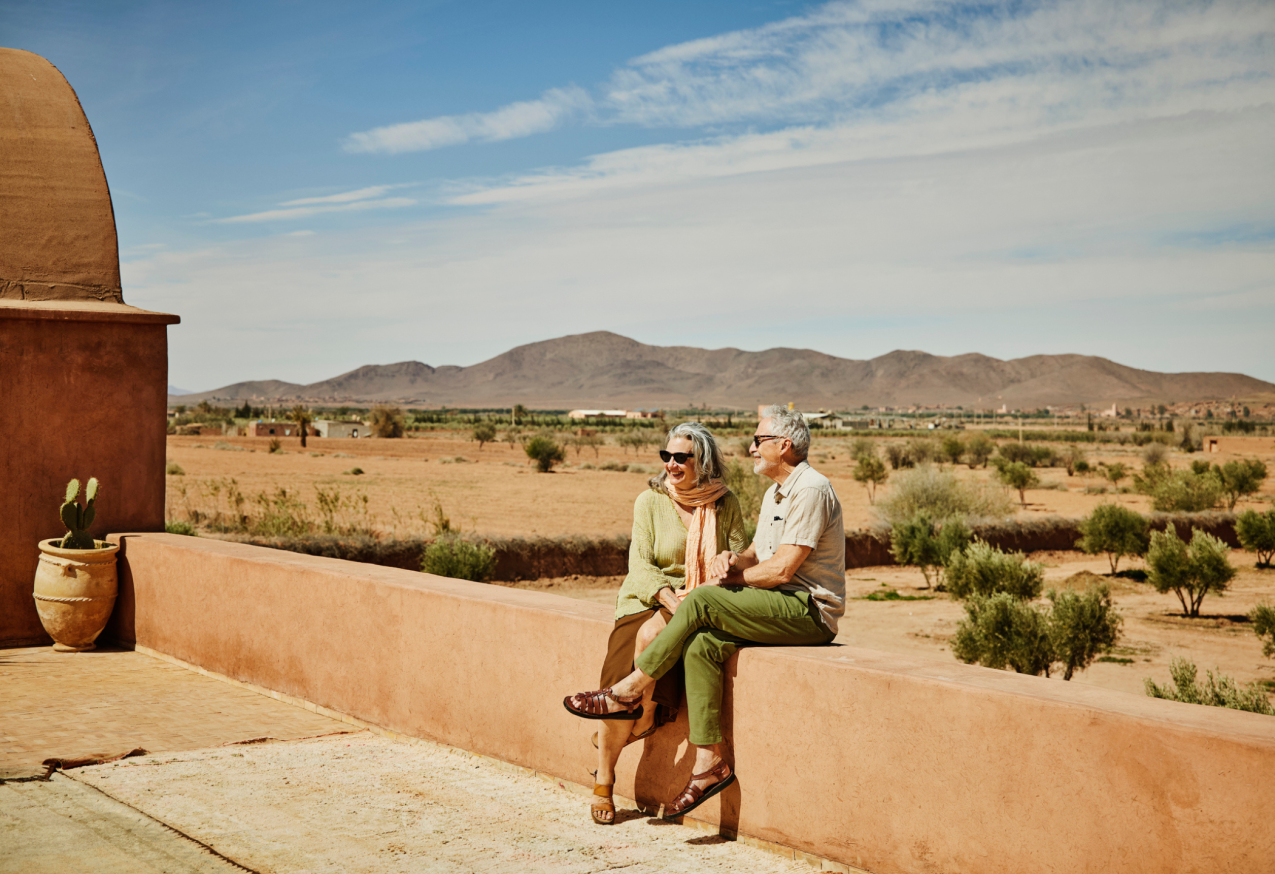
84,390
884,762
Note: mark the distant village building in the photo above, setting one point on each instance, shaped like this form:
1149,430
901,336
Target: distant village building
610,414
278,429
334,428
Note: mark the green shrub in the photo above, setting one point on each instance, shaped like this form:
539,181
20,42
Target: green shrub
1017,475
1263,618
1115,472
1179,491
1074,460
386,421
1115,530
978,449
1081,627
749,488
176,527
940,494
1016,452
926,543
1189,571
174,469
1257,534
545,452
861,448
1239,478
1000,631
922,450
484,433
983,570
276,446
459,559
1221,691
953,448
897,454
872,473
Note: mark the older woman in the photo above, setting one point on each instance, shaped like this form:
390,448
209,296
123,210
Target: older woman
680,524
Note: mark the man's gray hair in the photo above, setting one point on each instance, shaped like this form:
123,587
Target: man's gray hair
791,424
709,462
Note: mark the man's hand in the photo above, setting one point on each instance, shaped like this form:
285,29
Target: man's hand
721,564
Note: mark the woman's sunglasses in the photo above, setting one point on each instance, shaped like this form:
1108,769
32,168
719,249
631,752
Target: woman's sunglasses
679,457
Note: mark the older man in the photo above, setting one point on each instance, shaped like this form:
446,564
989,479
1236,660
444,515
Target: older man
787,589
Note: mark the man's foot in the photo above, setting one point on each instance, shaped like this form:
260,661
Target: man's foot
603,704
700,788
603,810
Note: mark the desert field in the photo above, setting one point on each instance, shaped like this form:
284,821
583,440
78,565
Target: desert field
495,492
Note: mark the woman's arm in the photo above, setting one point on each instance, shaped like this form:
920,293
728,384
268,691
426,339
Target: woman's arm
645,580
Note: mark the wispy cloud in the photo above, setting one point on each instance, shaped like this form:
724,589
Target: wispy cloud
350,201
862,81
508,122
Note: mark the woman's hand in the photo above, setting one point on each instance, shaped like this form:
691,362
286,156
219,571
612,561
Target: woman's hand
668,599
721,564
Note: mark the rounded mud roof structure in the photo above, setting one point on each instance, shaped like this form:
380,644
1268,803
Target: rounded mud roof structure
58,242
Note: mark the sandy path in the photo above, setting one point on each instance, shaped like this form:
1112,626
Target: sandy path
363,804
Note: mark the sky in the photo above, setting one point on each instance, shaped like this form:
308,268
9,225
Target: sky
314,186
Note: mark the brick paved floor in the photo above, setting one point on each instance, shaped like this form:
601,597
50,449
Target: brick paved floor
111,700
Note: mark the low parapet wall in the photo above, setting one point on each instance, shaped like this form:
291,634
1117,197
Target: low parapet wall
886,763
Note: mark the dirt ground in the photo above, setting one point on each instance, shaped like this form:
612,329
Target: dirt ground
495,492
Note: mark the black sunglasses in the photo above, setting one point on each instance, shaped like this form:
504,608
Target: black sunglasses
757,438
679,457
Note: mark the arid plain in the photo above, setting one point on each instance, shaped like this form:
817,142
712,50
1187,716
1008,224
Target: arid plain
494,491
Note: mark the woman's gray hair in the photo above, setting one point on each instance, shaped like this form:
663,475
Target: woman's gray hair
710,464
791,424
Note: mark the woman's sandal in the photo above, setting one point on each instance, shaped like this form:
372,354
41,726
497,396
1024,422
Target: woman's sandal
693,796
605,805
593,705
632,737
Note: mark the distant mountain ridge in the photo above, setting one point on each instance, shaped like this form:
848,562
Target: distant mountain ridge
605,370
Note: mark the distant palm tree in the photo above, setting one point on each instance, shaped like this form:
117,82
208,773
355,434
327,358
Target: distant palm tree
303,417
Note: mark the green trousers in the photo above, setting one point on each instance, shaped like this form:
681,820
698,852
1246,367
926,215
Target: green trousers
710,626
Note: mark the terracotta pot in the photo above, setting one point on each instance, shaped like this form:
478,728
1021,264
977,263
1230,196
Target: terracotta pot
74,592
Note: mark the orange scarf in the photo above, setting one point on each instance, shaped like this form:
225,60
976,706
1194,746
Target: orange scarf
701,534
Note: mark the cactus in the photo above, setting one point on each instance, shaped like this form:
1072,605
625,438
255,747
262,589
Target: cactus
78,519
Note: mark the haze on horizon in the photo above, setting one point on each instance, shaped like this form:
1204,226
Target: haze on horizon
314,188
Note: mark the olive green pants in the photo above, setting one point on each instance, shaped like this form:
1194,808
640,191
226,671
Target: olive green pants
710,626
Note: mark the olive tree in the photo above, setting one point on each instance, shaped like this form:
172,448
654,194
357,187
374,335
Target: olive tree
872,473
1115,530
1081,627
1191,571
1257,534
978,449
927,543
982,570
1239,478
484,432
545,452
1017,475
1263,618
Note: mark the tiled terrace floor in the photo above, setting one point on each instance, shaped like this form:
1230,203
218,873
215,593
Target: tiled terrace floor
110,701
353,803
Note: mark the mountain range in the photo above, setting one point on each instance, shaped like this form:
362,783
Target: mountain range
605,370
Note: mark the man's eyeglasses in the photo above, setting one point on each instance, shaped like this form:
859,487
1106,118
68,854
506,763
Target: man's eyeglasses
679,457
758,438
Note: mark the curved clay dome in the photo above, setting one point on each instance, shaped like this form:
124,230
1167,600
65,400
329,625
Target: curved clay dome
58,238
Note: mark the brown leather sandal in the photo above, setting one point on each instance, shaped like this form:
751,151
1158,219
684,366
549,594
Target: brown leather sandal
693,796
593,705
606,805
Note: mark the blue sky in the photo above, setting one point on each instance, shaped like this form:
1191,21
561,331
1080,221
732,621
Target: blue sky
316,186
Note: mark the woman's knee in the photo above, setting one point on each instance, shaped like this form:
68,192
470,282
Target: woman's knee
649,631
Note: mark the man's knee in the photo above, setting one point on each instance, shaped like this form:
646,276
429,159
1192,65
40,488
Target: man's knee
707,646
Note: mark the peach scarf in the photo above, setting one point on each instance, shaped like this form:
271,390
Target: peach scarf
701,534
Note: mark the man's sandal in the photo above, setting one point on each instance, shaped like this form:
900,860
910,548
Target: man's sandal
693,796
632,737
593,705
605,804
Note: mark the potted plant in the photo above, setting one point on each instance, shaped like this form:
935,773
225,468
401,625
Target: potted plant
75,581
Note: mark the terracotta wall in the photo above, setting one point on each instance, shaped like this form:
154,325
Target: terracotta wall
83,389
888,763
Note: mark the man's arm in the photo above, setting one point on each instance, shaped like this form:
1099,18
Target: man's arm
745,570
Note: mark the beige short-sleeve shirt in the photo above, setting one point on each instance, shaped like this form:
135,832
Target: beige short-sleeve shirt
805,511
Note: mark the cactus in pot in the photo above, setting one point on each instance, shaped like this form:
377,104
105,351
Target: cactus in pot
78,518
